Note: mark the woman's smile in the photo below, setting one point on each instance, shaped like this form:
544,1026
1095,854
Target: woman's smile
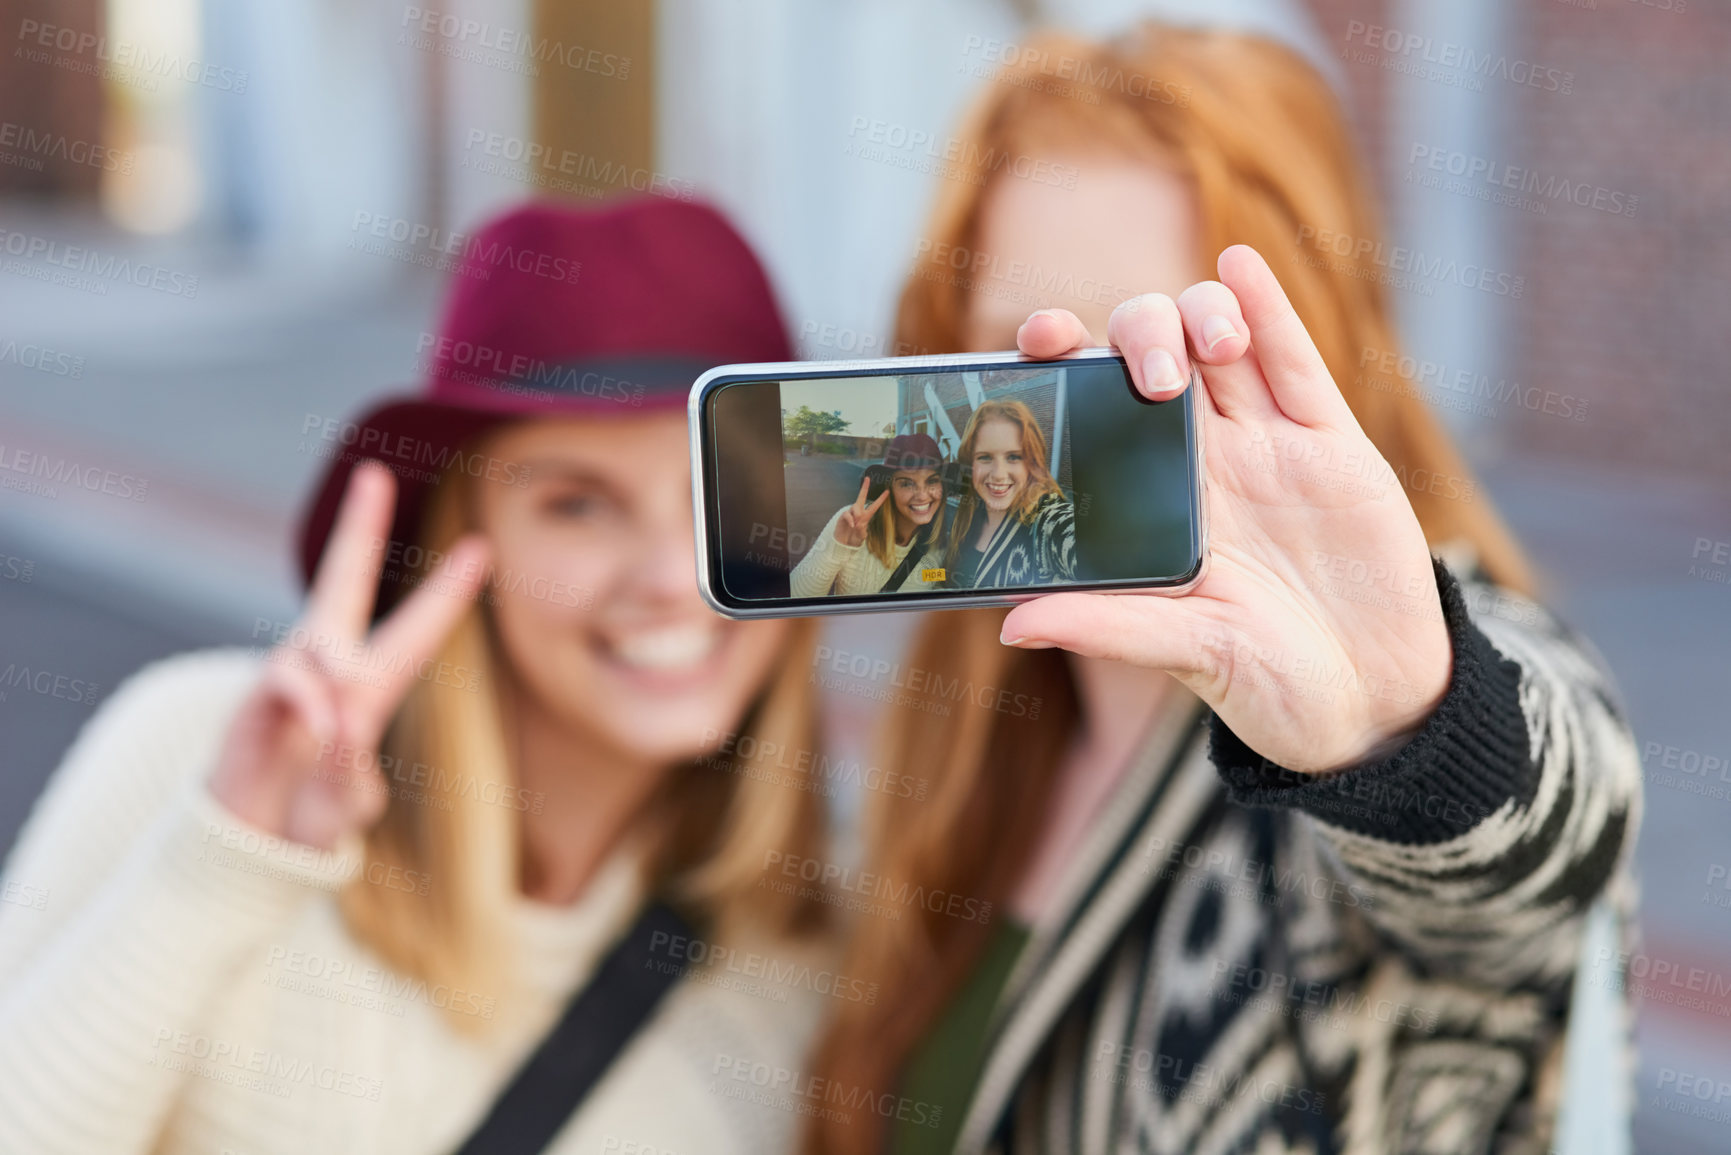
618,645
670,649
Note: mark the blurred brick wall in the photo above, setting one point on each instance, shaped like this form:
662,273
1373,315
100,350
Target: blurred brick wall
1632,313
1367,87
60,107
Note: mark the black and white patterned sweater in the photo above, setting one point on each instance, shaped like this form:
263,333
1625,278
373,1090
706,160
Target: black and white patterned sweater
1378,962
1038,551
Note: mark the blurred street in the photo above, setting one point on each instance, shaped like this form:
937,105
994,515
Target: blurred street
813,486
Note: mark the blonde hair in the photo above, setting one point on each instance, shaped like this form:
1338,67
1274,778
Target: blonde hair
705,829
1264,143
1040,481
881,532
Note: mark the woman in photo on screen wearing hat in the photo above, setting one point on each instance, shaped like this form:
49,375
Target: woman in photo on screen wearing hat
888,543
391,852
1301,861
1014,526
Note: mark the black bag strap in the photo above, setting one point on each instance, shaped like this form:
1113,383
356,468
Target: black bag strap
916,550
598,1021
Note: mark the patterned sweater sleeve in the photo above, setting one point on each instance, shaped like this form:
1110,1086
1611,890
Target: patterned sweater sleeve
1055,530
1486,838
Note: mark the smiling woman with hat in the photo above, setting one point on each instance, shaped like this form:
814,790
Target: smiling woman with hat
428,876
889,539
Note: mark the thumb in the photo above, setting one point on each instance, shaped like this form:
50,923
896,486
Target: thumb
1144,630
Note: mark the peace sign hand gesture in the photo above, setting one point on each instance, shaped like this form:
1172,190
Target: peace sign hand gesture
1307,674
330,690
850,527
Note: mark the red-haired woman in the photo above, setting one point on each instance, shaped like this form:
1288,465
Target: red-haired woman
1302,861
1013,525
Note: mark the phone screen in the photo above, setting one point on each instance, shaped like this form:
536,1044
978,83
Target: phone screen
973,482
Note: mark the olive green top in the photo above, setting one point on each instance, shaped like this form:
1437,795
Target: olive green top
944,1067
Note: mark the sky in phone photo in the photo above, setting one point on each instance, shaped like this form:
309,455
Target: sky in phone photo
867,404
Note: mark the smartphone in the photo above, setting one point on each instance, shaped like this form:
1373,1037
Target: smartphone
940,482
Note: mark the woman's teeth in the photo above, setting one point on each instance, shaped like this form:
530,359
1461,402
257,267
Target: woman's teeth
669,648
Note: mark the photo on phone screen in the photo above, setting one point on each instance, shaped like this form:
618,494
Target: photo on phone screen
973,482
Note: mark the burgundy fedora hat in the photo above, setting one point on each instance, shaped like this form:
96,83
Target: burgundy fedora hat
905,451
556,310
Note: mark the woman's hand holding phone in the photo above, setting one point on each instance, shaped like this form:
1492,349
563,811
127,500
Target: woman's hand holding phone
300,759
1314,680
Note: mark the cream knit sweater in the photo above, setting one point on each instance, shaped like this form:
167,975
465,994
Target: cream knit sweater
853,569
175,981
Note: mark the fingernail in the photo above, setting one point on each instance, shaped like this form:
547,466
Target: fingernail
1160,372
1215,330
1015,641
